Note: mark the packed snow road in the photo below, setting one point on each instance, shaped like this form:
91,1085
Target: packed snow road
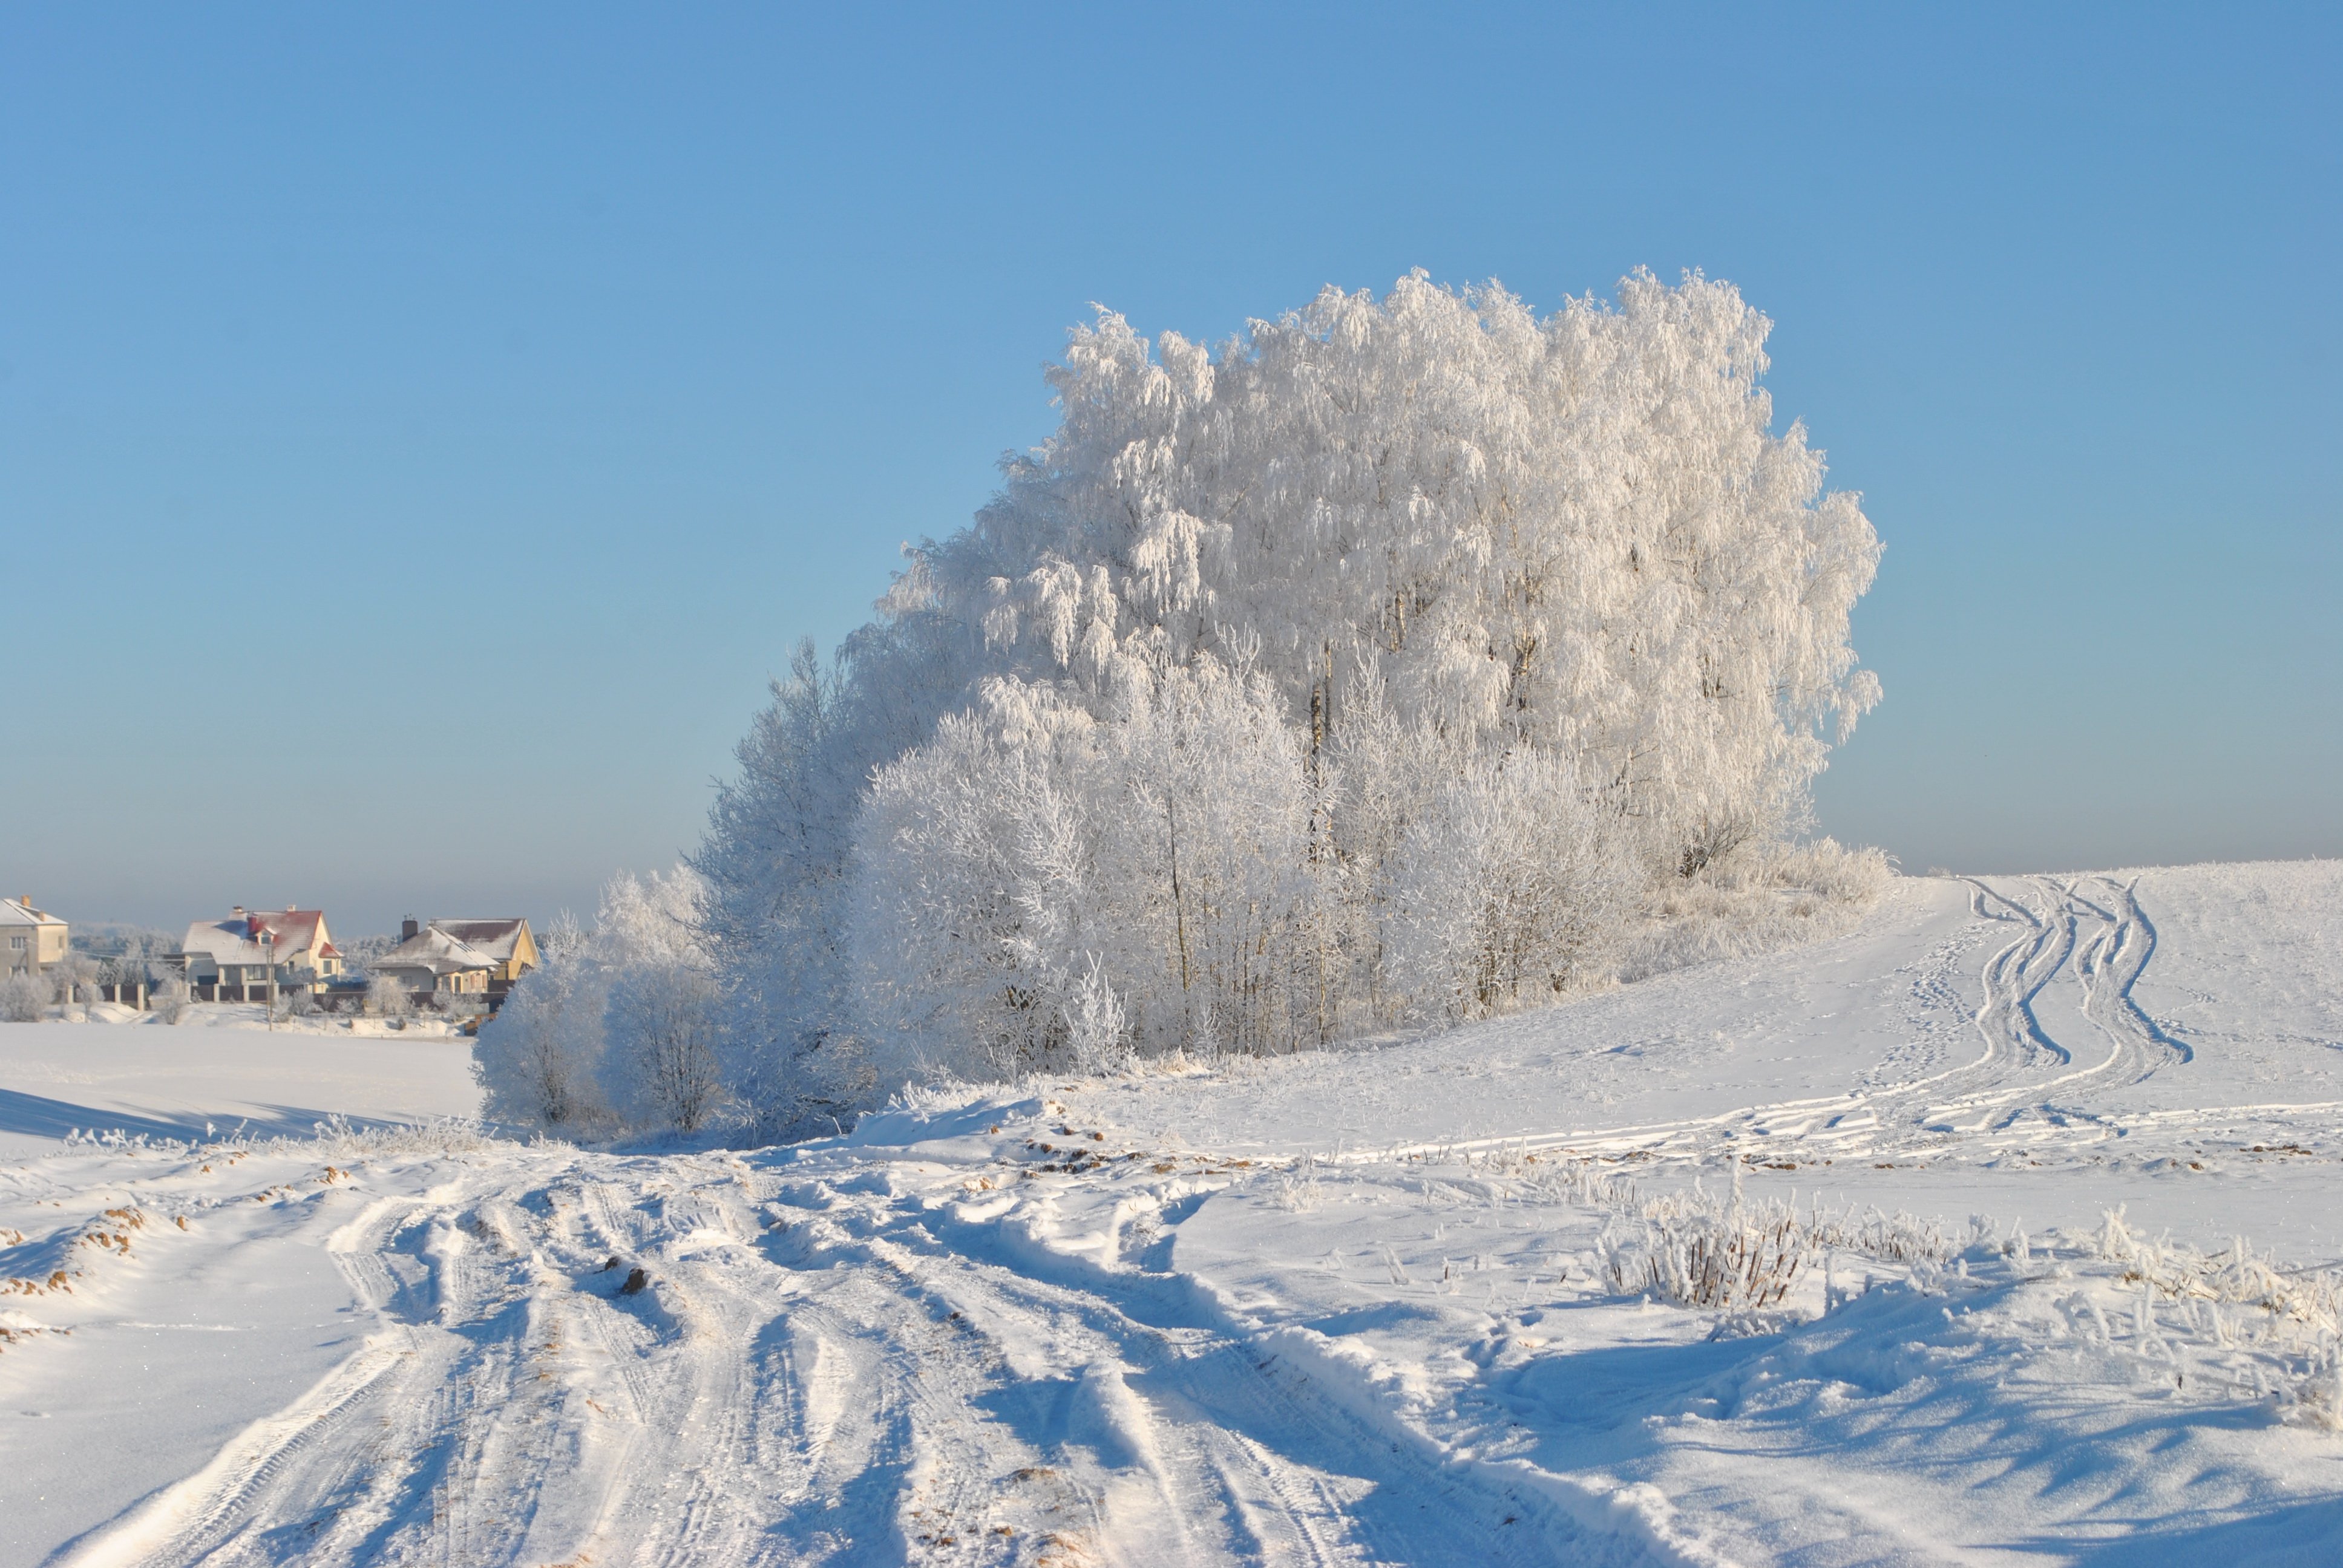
1533,1293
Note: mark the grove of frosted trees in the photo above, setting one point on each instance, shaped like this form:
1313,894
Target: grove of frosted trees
1401,661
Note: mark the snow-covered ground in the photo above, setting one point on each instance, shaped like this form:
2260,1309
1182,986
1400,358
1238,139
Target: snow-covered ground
1423,1303
218,1069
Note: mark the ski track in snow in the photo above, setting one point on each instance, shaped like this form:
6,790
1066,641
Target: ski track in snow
1008,1331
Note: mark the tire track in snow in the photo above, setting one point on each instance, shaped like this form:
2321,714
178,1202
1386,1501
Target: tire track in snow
888,1377
2116,964
2099,943
428,1445
1221,1430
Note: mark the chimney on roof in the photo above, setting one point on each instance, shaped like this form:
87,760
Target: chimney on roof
407,929
237,911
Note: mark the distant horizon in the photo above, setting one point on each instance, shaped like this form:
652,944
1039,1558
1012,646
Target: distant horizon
420,440
584,914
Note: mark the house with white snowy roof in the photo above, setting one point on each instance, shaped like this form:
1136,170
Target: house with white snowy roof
480,957
31,940
430,961
254,947
506,939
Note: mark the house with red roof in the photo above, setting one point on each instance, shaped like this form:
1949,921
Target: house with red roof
252,948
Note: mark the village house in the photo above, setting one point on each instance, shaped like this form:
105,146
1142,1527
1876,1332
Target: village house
509,942
239,958
473,957
32,940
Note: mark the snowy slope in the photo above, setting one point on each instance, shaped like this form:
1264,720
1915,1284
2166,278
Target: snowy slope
1405,1304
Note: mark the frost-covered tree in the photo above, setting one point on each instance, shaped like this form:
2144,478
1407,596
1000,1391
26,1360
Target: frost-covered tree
1506,891
75,977
1037,870
24,998
171,999
659,1067
663,1072
387,997
538,1062
1366,669
1578,532
616,1028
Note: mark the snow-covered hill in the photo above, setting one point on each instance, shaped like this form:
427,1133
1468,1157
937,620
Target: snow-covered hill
1802,1259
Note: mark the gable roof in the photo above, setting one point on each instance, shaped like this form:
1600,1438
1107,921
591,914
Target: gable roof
434,950
496,937
12,913
236,939
296,931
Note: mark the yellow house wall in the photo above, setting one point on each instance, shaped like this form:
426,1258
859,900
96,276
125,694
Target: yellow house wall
524,956
314,954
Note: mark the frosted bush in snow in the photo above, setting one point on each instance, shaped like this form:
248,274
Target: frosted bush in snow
1508,891
537,1060
75,978
170,999
1838,874
386,997
1033,854
23,999
660,1070
615,1028
1095,1023
1759,900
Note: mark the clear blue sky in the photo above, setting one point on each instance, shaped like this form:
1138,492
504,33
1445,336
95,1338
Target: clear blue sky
423,428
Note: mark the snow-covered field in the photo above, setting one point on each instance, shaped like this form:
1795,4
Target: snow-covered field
1425,1303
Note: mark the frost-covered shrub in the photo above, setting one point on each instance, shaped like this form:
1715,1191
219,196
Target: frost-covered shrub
24,998
74,978
616,1028
538,1060
1403,657
661,1071
1738,1260
1507,890
1759,900
1040,888
170,999
386,997
1838,874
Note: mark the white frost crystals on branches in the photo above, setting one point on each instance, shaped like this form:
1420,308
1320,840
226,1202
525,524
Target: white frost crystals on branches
24,998
615,1030
1406,659
1040,888
1506,889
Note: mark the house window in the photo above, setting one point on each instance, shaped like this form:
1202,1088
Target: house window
16,942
